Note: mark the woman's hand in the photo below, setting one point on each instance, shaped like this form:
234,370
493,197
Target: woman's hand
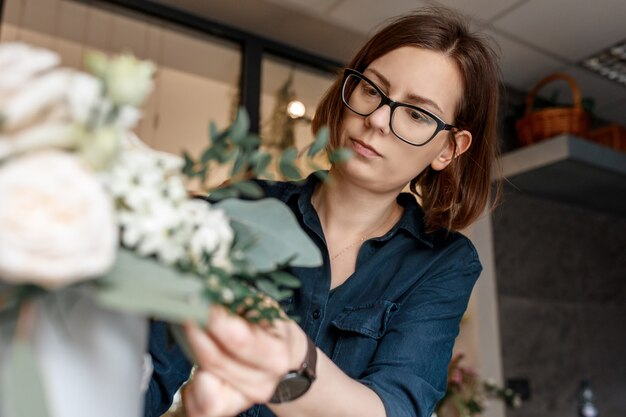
239,363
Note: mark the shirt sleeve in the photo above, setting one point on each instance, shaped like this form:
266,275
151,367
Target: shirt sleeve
171,370
410,366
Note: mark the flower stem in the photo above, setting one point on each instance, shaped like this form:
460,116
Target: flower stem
26,321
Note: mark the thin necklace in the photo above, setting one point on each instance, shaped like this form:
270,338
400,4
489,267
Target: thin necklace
361,239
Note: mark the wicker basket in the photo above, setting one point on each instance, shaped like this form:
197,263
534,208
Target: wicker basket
613,136
545,123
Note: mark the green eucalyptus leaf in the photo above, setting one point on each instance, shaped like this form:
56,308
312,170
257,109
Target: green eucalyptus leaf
251,141
284,294
260,162
249,189
268,288
23,388
244,240
188,166
144,286
202,174
214,133
290,171
223,193
278,236
207,155
289,155
285,279
286,164
241,164
340,155
222,152
241,126
321,140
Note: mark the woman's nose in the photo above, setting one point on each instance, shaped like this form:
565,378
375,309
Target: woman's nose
380,119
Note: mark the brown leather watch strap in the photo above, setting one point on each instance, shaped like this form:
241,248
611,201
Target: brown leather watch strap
297,382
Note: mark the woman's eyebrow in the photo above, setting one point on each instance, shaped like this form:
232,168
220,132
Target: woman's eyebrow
412,97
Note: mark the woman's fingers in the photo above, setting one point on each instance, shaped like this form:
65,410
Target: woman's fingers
247,357
254,383
263,347
208,396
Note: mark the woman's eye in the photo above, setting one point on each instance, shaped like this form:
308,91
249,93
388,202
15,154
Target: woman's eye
417,116
369,90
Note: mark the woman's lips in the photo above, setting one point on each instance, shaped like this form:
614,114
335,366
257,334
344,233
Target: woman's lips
363,149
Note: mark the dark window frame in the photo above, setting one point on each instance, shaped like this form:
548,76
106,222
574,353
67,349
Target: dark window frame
253,47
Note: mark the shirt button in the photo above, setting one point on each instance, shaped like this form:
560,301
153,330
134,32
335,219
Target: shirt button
317,314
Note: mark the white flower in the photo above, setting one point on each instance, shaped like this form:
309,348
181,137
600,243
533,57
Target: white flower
34,98
157,218
128,80
100,147
170,163
83,94
213,235
19,62
47,134
57,224
128,117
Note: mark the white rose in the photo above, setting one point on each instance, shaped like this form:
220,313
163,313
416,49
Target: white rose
19,62
34,98
83,94
57,224
46,134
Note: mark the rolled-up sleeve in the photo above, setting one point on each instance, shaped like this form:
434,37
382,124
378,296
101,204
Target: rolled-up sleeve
409,368
171,370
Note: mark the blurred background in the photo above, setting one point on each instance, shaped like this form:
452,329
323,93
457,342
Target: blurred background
550,308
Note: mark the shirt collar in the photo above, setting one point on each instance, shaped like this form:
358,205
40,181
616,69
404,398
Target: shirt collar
412,219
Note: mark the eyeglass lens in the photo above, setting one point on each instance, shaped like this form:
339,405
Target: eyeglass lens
408,123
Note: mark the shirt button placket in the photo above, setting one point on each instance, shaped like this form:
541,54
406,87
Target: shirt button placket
316,314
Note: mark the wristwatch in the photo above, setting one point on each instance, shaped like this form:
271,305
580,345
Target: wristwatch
297,382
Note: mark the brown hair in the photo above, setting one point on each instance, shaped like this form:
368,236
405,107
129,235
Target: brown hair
454,197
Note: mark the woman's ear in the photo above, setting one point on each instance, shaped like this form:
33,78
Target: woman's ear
462,139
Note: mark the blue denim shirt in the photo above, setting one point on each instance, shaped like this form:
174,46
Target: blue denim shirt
392,324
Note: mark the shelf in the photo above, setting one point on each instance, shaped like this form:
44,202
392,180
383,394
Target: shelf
572,170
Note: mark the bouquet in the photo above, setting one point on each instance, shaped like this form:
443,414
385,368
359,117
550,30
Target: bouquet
467,393
94,223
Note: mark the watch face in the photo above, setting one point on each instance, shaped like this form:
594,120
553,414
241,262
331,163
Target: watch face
292,386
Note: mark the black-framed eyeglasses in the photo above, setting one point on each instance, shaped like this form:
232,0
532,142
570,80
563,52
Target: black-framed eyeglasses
411,124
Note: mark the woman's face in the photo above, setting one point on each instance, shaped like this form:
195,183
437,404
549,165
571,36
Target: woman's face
411,75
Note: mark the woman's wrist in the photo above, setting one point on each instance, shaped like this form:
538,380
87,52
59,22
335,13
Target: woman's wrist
297,345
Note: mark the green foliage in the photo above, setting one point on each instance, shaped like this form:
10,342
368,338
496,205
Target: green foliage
340,155
320,142
267,235
281,126
287,166
268,239
277,236
144,286
235,145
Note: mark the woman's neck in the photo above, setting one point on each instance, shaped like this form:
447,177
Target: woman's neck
343,207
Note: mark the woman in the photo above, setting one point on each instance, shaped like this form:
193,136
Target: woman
417,106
